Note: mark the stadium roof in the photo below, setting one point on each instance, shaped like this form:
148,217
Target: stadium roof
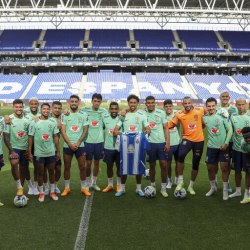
162,12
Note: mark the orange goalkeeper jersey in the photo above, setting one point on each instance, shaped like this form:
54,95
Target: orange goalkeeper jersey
191,123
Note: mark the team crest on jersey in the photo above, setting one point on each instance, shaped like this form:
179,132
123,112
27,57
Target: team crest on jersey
152,125
94,123
111,132
50,126
131,149
20,134
215,131
238,131
137,119
157,118
79,120
246,123
25,125
132,128
74,128
45,137
217,122
192,126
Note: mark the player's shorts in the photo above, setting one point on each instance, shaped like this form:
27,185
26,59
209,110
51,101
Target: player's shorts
94,150
1,161
215,155
239,161
196,147
45,160
111,156
23,161
79,152
172,152
230,149
156,152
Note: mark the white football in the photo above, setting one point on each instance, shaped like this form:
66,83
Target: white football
20,201
150,192
180,194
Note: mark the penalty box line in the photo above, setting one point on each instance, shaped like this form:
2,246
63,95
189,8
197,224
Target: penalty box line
84,224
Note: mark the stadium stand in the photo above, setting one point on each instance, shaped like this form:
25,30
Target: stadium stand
199,40
109,39
12,86
63,39
238,40
112,86
212,85
162,85
156,40
244,82
18,40
55,85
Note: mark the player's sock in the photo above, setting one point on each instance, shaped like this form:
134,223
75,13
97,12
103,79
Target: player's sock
180,179
18,184
88,180
246,194
118,180
52,188
153,184
225,185
110,182
123,187
191,183
93,180
67,184
40,189
212,184
35,184
138,187
29,183
163,186
83,184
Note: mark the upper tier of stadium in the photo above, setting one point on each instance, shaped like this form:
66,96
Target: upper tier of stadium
124,40
117,86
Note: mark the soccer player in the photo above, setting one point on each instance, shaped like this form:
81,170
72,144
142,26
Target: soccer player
43,134
192,139
159,141
1,146
225,107
74,130
245,147
111,155
55,115
239,162
94,142
134,120
174,143
220,132
33,109
16,140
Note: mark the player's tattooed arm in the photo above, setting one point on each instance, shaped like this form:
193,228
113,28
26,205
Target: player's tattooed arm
167,136
6,137
12,153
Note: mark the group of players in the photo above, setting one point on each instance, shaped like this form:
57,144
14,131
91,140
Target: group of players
90,133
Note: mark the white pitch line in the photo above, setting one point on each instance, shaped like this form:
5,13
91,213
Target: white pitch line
84,224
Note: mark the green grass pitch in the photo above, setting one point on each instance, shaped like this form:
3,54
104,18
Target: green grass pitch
127,222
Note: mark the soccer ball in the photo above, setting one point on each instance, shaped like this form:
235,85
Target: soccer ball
146,175
20,201
180,194
150,192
